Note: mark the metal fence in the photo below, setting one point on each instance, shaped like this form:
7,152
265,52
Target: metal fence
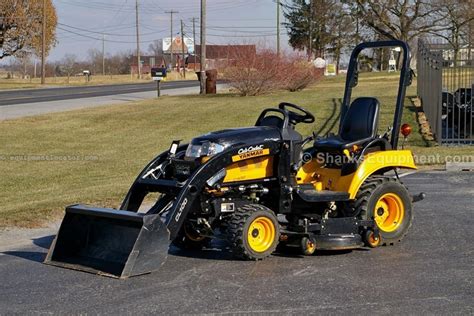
445,86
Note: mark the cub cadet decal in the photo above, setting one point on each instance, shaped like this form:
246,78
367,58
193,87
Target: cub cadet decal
251,148
251,152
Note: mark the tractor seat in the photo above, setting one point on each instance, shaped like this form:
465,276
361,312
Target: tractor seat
271,120
358,127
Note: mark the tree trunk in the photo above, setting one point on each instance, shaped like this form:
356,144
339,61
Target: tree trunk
338,60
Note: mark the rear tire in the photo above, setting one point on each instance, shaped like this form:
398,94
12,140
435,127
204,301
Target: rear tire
253,232
388,202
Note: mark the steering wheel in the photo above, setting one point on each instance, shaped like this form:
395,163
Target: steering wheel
294,117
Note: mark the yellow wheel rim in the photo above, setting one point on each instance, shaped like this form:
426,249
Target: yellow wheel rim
389,212
261,234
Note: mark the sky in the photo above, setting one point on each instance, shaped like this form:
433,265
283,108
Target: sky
83,24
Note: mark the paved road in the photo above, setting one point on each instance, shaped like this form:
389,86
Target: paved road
19,110
66,93
430,272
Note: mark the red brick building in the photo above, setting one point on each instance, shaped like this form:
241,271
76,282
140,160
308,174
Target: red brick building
219,56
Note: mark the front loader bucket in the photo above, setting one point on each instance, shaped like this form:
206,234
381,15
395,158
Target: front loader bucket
109,242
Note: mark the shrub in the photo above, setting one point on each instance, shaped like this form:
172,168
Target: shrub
252,73
299,74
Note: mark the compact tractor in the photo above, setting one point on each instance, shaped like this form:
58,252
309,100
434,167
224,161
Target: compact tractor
257,188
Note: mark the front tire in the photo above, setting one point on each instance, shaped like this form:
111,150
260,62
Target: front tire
254,232
388,203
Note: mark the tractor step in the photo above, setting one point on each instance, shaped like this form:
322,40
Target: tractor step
308,193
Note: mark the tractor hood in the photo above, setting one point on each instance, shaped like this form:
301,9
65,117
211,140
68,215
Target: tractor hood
239,136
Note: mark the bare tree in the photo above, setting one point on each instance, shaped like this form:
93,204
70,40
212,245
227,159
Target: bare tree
398,19
119,63
455,18
95,60
342,31
156,48
69,65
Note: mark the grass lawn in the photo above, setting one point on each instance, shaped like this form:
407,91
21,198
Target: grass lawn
7,84
95,154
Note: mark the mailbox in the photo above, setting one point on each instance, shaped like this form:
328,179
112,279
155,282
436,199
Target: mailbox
158,73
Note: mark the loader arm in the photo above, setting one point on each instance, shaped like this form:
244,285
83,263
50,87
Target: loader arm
137,192
197,182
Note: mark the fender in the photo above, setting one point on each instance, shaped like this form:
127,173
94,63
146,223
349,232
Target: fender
377,161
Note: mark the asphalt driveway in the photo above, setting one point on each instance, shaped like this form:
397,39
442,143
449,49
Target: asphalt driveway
430,272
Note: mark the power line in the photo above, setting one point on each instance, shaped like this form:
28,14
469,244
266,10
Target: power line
243,32
119,11
100,39
244,36
241,27
104,33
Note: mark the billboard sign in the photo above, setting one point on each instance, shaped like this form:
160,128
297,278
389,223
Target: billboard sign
177,48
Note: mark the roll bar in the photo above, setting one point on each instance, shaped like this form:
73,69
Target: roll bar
405,80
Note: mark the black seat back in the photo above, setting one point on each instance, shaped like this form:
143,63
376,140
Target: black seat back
360,121
271,120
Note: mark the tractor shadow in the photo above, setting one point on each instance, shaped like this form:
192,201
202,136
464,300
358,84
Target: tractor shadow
221,251
44,242
333,118
218,250
35,256
295,252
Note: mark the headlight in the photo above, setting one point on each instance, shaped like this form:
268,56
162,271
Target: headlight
205,149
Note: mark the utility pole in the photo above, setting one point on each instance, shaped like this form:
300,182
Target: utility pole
171,35
203,47
278,27
138,41
194,41
471,30
182,50
310,45
103,54
43,45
